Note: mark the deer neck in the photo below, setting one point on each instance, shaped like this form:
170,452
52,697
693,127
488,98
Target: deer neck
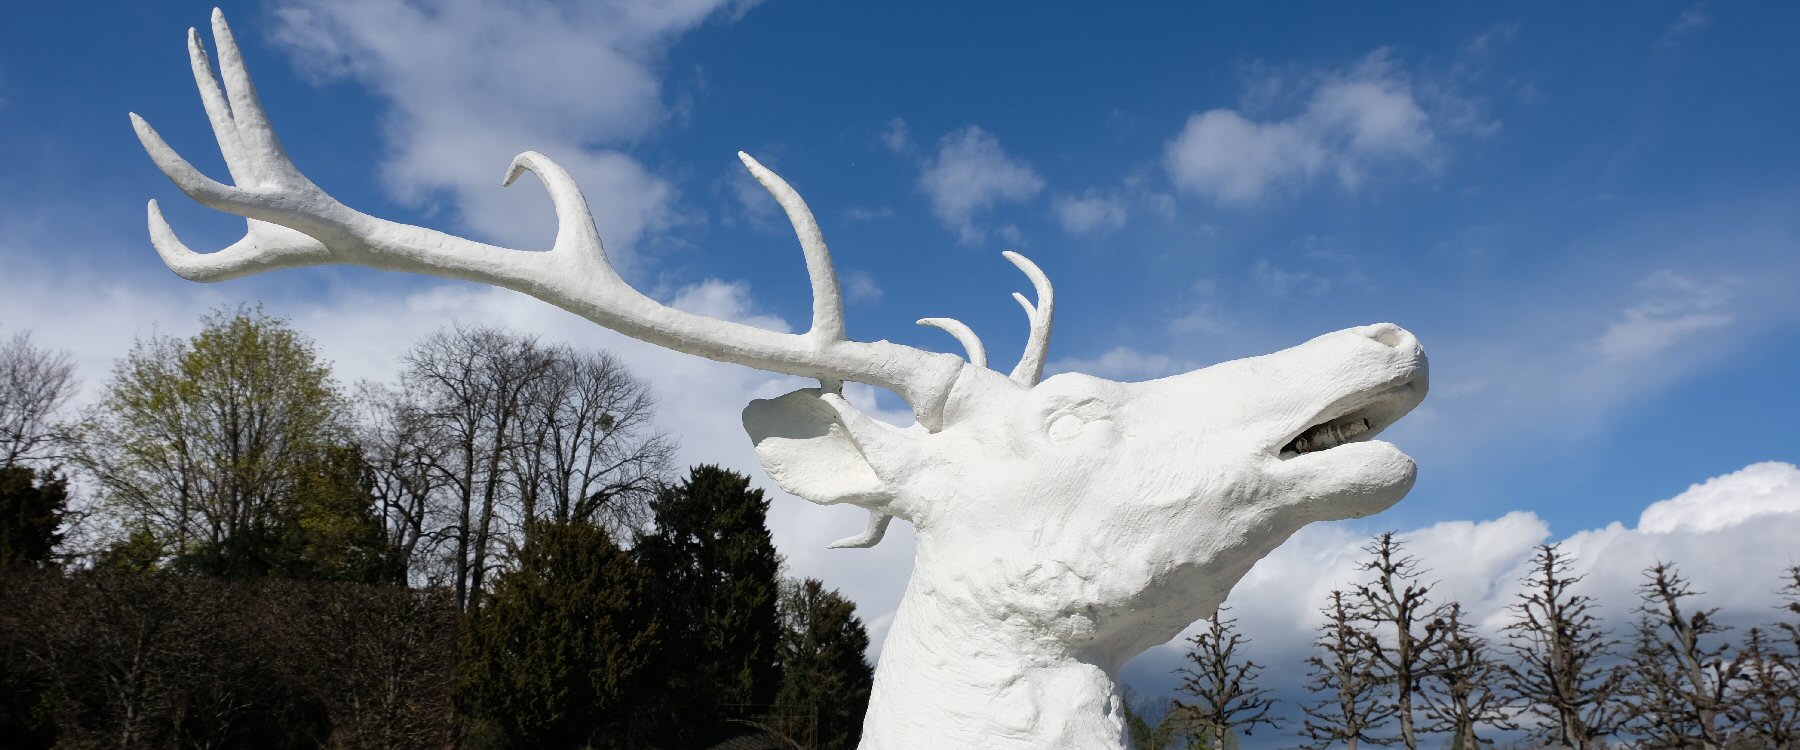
962,668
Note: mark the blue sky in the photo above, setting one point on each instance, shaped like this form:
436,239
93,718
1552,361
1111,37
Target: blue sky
1587,214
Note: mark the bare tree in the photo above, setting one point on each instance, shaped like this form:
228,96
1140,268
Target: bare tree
490,429
1558,649
1678,681
34,384
591,454
401,450
1343,672
1405,628
1764,696
1223,684
1464,693
468,385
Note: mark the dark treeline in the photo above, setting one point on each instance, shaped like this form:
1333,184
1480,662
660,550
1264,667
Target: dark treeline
1394,667
229,549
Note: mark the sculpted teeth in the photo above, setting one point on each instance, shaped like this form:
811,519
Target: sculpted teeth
1328,435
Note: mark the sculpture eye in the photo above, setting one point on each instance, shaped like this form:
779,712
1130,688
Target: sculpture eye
1064,426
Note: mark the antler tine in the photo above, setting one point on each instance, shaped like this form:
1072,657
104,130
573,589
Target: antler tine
575,230
295,223
871,536
828,302
1031,364
964,335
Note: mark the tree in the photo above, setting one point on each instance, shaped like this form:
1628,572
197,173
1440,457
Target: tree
558,655
1223,685
203,441
34,385
1342,671
32,504
590,451
1764,696
1463,693
824,667
1397,606
717,581
1677,680
468,386
490,430
1558,649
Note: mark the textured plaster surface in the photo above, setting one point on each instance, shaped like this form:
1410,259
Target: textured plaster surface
1063,526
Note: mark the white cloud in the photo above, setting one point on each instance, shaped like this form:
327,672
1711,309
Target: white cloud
1122,363
1089,212
470,84
1676,307
1280,283
1766,488
860,286
1731,536
896,137
970,175
1356,121
1691,20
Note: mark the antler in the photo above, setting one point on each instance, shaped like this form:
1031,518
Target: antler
292,223
1031,365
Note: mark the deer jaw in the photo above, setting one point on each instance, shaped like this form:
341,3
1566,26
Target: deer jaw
1082,521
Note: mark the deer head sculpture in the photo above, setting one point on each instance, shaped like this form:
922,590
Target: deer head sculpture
1063,526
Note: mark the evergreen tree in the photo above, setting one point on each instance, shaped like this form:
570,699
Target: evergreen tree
825,676
1223,685
717,583
557,656
31,510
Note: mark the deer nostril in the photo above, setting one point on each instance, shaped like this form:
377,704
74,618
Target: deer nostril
1387,333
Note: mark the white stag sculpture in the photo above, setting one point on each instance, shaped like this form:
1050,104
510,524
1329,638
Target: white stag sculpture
1064,526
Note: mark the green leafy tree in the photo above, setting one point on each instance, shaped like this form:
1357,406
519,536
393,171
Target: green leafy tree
826,678
717,581
211,443
31,512
558,655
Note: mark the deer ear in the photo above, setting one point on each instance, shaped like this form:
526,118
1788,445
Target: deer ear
806,445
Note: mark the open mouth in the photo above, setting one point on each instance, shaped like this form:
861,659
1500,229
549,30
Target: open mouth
1353,420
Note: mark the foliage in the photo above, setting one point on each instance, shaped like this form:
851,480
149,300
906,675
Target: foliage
557,656
825,675
206,442
716,579
32,504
